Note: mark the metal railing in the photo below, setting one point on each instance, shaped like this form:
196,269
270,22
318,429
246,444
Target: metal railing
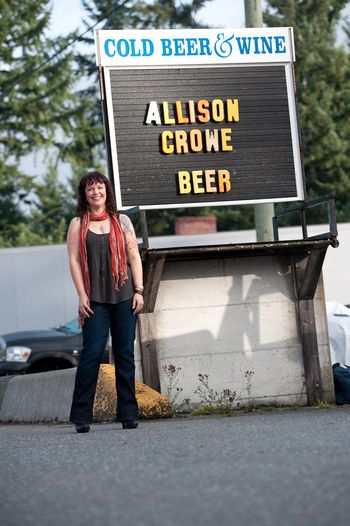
302,208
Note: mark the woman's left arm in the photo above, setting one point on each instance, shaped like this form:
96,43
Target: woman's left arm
134,259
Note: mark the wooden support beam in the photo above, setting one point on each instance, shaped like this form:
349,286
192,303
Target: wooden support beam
309,277
149,358
153,270
308,335
307,269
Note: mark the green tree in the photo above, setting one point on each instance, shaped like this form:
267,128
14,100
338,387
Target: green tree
36,81
323,95
173,14
52,208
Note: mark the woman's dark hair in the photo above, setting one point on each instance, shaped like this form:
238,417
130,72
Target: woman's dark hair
90,178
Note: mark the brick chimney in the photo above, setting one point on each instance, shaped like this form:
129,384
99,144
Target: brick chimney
195,225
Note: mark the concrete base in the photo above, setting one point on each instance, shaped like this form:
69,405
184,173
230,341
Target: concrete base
235,320
47,397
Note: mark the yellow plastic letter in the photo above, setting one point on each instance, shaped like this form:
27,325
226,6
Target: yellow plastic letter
184,179
210,186
181,141
224,181
167,119
197,180
202,108
217,110
180,118
196,141
225,139
232,110
166,147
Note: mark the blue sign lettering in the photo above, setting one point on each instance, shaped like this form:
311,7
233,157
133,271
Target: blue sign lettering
280,44
179,45
261,45
147,47
185,47
204,45
244,45
266,44
224,46
129,48
166,47
109,42
192,49
123,47
134,52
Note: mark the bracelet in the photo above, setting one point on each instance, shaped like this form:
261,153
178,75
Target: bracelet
139,290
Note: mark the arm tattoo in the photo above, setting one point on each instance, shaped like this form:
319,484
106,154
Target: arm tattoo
127,224
131,242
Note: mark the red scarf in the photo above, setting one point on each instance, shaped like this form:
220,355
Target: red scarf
116,245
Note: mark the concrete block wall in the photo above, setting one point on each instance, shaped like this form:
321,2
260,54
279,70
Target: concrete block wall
231,318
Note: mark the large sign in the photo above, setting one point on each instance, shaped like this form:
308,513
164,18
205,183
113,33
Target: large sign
198,117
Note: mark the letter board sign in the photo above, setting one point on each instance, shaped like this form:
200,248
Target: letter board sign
200,117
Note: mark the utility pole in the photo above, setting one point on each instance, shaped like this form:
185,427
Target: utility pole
263,212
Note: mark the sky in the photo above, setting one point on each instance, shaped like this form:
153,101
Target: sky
68,14
219,13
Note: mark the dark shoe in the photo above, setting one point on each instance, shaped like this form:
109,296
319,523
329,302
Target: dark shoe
82,428
130,424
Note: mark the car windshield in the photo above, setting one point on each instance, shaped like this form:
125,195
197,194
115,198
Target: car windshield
71,326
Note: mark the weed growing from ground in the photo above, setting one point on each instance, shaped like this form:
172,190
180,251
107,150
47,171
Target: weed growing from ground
174,389
321,404
214,401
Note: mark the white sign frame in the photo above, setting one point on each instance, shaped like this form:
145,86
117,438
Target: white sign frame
157,60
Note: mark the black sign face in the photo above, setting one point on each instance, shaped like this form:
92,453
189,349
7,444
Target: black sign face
195,136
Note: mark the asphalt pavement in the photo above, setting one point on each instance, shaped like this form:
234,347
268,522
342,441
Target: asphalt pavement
285,467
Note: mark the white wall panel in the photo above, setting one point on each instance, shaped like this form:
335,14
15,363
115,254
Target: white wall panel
35,288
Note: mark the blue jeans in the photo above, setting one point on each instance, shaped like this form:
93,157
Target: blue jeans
119,319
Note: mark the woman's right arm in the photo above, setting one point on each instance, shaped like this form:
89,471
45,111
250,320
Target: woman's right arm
75,268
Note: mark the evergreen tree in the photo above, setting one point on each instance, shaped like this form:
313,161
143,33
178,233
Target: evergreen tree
172,14
52,208
323,95
89,146
35,100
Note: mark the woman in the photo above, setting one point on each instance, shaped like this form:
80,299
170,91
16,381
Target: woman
107,273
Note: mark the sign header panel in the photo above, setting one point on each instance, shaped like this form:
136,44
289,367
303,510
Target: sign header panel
144,48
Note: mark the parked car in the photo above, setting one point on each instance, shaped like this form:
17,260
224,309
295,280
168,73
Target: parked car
36,351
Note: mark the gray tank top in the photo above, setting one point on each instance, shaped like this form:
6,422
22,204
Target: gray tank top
102,284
